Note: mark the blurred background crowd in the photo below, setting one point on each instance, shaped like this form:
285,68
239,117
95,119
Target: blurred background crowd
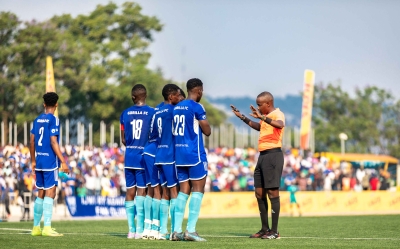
100,171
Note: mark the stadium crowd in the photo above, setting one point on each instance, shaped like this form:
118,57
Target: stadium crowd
100,171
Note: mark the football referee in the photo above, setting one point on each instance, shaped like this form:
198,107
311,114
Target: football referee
268,171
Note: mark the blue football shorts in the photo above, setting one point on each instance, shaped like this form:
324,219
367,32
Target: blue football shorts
46,179
168,175
197,172
152,171
135,178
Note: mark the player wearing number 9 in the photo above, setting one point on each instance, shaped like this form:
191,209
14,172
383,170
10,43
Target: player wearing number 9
45,157
135,127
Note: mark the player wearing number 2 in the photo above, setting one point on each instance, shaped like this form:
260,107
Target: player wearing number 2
190,123
135,127
45,156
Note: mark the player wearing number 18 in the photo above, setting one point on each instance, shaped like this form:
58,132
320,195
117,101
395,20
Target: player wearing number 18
135,127
45,157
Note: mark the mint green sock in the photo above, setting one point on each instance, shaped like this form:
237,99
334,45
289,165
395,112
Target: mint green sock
172,213
130,214
180,211
194,211
155,217
164,216
37,211
147,212
47,210
140,213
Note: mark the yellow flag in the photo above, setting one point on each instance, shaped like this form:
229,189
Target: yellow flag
50,85
306,112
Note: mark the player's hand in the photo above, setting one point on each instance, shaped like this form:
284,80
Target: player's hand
64,168
236,111
255,113
33,164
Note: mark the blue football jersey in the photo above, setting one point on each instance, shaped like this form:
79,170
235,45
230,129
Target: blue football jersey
163,124
45,126
135,121
151,146
189,146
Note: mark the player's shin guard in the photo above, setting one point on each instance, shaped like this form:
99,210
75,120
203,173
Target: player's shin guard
147,212
155,216
47,210
194,211
130,214
37,211
172,213
140,213
180,211
275,209
164,216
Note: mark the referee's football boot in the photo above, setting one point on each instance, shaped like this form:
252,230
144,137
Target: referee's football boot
271,235
193,237
259,234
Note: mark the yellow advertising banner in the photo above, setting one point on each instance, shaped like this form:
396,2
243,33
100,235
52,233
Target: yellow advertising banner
244,204
50,84
306,111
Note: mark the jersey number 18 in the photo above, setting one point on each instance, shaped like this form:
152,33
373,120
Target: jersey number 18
136,128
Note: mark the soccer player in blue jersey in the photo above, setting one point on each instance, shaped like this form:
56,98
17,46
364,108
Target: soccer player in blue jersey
135,127
190,123
152,176
165,160
45,164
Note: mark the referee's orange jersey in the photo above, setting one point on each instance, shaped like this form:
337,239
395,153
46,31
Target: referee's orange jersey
271,137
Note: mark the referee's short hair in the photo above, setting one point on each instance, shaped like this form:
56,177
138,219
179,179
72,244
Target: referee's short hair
267,95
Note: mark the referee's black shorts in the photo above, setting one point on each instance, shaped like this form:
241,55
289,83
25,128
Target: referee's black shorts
269,168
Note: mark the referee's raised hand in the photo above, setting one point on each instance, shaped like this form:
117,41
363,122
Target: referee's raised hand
236,111
255,113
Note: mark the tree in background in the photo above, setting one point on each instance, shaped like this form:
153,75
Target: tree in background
370,118
97,59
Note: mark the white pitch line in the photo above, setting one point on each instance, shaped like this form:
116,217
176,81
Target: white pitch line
15,229
210,236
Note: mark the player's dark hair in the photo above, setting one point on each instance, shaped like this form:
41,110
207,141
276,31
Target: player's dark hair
50,98
267,95
139,90
192,83
182,92
169,89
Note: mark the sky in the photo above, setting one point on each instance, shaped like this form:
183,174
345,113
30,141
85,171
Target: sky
241,48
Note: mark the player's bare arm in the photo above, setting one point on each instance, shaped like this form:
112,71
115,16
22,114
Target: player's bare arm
205,127
32,152
56,149
123,137
255,126
275,123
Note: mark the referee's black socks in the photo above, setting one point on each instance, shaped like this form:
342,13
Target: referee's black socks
263,207
275,209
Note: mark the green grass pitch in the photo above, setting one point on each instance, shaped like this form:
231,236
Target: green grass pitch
296,232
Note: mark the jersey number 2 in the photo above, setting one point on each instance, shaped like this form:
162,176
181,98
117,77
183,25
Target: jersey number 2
41,132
